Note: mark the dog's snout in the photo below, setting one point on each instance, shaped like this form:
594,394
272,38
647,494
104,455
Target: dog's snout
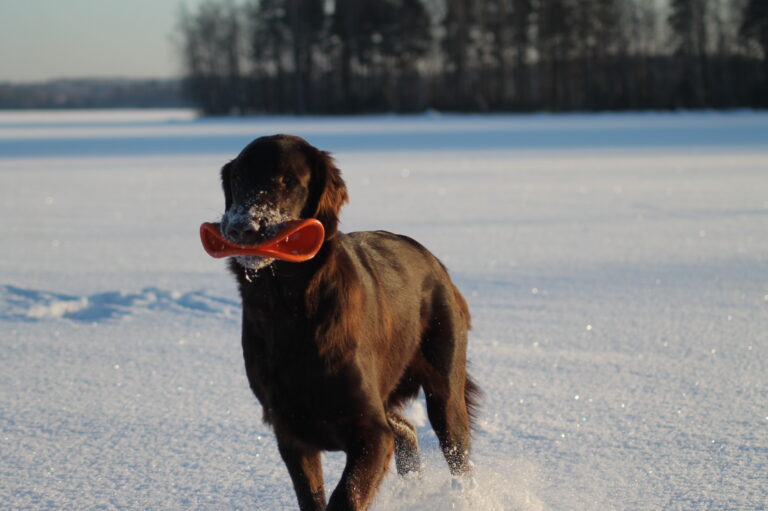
246,224
233,232
239,228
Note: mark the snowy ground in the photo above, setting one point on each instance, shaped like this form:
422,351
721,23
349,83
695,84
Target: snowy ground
616,267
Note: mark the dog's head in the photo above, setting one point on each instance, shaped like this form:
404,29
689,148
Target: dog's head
276,179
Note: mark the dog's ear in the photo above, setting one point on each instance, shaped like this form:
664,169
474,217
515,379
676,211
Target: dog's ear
226,185
328,193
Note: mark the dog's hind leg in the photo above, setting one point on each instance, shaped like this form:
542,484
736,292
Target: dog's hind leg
406,444
450,394
450,420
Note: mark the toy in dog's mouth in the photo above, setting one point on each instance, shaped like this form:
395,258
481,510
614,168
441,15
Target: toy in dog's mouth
297,241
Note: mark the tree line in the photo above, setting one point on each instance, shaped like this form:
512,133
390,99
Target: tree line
349,56
93,93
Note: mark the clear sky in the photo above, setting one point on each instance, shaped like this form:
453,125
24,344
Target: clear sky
43,39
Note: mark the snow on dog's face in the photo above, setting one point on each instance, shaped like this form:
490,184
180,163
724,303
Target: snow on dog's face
273,180
248,224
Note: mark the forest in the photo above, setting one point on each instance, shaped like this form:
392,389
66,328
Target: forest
355,56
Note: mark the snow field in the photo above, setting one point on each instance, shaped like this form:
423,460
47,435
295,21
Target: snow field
615,266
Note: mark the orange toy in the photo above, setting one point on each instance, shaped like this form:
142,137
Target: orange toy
298,241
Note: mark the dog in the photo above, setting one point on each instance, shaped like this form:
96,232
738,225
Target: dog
334,346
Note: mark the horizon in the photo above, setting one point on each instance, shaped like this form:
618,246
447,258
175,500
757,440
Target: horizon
91,79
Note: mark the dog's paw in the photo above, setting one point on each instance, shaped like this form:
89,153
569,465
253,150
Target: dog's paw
465,483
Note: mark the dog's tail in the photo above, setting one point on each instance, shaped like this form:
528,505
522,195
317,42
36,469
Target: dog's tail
472,392
463,307
472,396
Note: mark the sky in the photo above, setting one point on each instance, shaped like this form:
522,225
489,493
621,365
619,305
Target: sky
45,39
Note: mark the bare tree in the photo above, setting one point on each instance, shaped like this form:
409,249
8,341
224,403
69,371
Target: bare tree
210,45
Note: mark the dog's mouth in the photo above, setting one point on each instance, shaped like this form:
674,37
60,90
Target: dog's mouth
254,263
293,241
258,235
262,232
257,231
252,224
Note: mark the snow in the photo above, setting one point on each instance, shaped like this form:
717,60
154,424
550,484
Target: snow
615,264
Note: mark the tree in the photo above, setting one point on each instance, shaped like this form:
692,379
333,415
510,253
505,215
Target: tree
521,24
210,45
597,41
754,25
306,25
557,38
406,39
269,39
754,30
688,21
457,49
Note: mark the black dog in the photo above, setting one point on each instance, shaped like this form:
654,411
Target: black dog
334,346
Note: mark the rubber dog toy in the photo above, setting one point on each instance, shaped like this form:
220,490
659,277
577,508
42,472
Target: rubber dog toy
297,241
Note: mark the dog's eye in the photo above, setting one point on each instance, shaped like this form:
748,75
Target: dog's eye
288,180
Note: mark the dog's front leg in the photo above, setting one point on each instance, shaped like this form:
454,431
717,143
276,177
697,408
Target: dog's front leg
368,456
306,472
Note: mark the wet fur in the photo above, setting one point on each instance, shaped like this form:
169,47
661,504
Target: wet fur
334,347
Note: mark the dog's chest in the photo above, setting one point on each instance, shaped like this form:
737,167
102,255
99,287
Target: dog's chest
299,394
280,346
